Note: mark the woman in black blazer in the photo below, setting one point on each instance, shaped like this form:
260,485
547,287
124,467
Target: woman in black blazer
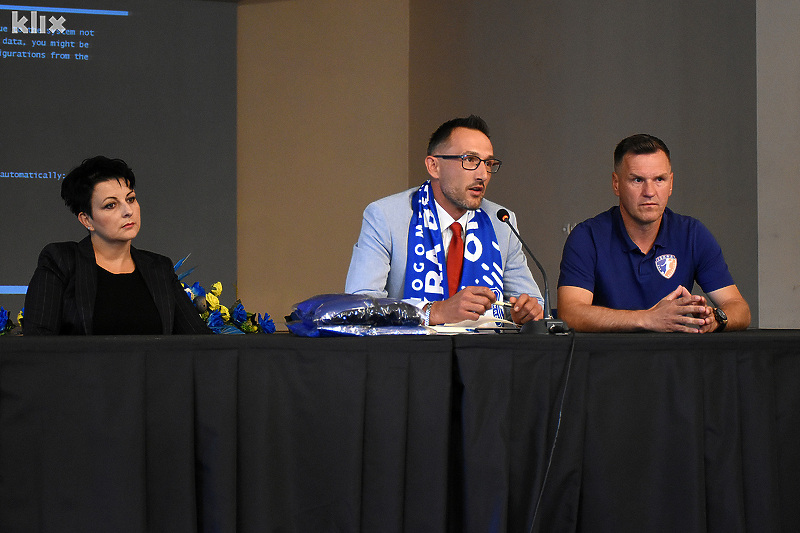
102,285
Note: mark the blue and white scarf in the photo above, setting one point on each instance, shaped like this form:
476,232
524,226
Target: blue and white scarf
426,271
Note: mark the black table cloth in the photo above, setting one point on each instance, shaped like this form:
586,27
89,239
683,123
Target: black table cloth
639,432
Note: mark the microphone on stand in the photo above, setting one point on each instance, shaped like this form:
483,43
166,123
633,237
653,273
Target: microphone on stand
548,324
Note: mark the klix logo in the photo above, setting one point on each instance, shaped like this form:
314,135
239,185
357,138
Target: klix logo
38,23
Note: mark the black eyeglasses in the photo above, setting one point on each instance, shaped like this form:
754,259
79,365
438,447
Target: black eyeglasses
471,162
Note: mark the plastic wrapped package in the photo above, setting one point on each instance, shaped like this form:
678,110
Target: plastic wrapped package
352,314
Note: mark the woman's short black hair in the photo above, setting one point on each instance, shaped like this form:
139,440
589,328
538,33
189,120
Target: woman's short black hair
78,186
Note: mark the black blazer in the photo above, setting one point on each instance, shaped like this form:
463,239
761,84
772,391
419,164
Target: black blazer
61,295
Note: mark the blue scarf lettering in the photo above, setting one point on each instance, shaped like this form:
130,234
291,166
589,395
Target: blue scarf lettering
426,272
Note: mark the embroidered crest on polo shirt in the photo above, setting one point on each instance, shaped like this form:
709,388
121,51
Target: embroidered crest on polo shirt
666,265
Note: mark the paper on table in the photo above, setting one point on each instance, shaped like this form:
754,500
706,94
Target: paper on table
487,321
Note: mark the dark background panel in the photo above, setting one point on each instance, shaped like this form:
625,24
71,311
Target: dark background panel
159,91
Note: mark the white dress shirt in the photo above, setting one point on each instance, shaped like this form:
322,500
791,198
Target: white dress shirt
445,221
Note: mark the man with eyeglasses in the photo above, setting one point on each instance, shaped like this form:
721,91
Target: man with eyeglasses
441,245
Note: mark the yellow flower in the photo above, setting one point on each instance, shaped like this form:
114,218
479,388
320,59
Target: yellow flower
19,317
226,315
216,289
212,301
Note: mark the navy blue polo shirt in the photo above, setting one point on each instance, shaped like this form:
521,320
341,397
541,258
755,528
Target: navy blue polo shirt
600,256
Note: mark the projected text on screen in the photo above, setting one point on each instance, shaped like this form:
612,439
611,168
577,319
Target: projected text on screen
48,33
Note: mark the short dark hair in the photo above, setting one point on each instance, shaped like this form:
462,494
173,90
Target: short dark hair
442,133
78,186
638,144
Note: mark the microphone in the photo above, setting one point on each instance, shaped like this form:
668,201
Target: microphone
548,324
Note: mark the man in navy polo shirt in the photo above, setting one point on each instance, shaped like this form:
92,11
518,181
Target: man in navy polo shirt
632,268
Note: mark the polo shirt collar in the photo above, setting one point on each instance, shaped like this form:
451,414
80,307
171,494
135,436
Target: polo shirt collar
628,244
663,231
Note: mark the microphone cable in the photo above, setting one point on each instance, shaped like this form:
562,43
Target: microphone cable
568,370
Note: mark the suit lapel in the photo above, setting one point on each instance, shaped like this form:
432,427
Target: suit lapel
86,283
157,286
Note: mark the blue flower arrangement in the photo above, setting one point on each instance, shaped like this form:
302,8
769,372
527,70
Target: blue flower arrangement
6,324
220,319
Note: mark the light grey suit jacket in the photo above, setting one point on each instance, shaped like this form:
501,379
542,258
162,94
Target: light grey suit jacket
378,264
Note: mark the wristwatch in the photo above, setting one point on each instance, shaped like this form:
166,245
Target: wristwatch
721,318
427,308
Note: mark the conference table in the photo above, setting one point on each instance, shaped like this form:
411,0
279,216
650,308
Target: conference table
465,433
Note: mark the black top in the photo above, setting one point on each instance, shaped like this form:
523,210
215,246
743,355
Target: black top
124,306
63,292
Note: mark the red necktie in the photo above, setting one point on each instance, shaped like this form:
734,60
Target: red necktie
455,259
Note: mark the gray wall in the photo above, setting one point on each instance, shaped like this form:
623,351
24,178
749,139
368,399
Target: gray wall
364,83
778,163
560,83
